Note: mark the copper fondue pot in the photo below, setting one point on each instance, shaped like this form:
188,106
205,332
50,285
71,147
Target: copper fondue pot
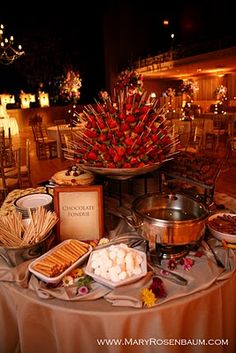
168,219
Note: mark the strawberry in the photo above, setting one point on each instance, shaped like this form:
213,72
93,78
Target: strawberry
129,151
99,164
96,147
93,124
109,135
111,151
112,110
122,116
101,124
117,158
102,137
120,150
154,138
92,155
103,147
126,165
141,164
142,117
119,134
99,109
111,165
107,157
91,133
91,119
124,127
134,160
145,109
112,123
138,129
130,118
128,141
128,106
142,149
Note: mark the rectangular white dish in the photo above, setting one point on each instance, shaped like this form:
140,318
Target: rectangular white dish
58,278
89,270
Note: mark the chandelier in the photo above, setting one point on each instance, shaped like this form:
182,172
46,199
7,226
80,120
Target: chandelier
8,54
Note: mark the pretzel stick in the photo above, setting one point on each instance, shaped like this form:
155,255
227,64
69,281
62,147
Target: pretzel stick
14,234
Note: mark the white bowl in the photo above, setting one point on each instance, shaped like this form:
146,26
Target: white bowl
231,238
109,283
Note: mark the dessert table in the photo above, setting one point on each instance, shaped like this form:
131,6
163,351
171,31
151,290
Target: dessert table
201,322
196,318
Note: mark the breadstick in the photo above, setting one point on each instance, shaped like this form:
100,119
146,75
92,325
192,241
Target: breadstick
76,243
48,271
65,255
57,259
79,246
74,252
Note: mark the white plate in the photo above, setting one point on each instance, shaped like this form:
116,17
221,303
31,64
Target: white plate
58,278
231,238
108,283
33,200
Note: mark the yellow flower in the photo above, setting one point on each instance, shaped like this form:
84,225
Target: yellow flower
103,241
77,272
148,297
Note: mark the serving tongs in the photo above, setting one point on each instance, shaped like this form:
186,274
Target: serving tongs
169,275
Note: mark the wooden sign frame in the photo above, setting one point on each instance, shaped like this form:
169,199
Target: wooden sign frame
80,212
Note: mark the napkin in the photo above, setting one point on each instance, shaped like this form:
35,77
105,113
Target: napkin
129,295
66,293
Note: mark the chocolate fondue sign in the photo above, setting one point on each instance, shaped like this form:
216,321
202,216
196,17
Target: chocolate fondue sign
80,212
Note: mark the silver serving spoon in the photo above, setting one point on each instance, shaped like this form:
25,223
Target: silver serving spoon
208,247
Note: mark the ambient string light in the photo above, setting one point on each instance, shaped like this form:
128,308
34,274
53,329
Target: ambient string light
8,54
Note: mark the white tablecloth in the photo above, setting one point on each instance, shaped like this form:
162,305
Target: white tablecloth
9,123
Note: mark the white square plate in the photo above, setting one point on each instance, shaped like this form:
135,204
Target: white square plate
58,278
90,271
